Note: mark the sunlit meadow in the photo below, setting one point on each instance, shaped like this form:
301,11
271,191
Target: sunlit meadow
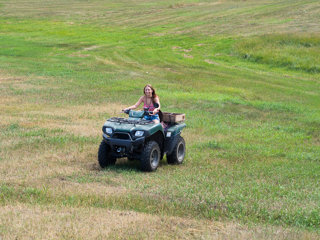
245,73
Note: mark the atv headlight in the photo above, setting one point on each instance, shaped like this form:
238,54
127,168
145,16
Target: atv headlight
139,133
108,131
168,134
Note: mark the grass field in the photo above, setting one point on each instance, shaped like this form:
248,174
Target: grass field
246,73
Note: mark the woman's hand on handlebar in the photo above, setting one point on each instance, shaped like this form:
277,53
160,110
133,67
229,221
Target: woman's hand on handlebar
126,110
154,112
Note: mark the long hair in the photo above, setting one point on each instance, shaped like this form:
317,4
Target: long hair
154,95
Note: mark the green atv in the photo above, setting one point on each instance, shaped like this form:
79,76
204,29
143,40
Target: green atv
137,138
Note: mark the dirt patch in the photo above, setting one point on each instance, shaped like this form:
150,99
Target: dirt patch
212,62
181,32
157,34
187,50
105,61
91,48
187,56
182,5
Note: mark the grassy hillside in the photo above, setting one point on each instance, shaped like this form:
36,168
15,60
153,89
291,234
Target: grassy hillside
246,73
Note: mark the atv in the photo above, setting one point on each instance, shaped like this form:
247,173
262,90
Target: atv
143,140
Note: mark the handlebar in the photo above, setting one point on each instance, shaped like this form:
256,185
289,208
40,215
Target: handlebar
146,111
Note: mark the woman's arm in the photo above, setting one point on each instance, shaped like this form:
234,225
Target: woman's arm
136,105
156,110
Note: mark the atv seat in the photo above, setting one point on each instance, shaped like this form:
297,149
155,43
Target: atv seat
160,114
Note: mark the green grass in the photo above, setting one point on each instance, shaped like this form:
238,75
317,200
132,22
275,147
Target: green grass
288,51
246,74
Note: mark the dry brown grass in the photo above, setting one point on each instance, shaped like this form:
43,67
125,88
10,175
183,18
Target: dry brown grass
23,221
211,62
26,165
105,61
188,56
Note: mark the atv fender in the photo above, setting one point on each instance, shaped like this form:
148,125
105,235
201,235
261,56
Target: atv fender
170,143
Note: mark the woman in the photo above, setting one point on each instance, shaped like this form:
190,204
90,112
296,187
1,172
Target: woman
150,97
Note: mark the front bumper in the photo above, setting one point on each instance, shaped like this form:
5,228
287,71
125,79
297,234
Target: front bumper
124,147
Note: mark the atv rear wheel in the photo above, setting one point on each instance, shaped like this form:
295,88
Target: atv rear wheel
178,153
104,157
150,158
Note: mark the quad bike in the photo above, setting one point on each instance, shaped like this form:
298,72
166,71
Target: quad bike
137,138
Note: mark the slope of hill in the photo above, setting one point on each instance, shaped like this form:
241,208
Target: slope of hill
246,73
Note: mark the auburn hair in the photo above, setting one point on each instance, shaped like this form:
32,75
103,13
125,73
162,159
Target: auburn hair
154,95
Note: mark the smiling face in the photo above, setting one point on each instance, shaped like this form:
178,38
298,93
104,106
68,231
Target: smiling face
148,91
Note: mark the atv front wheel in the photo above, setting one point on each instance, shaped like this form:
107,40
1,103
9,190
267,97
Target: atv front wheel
150,158
104,157
178,153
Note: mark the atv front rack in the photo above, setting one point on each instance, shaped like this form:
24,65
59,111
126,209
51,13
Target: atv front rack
127,121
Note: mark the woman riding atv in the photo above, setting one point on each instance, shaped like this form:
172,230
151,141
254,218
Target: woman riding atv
149,99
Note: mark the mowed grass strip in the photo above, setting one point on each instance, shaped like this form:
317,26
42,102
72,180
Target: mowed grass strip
239,70
158,205
98,223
